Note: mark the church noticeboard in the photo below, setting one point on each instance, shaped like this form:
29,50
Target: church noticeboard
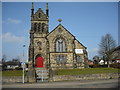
79,51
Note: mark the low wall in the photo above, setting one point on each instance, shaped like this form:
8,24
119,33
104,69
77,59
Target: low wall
13,79
18,79
85,77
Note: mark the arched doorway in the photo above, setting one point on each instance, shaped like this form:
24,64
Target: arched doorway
39,61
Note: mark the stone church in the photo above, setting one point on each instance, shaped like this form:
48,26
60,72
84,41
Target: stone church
58,49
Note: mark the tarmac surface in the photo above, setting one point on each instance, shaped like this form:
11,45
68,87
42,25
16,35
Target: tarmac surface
105,83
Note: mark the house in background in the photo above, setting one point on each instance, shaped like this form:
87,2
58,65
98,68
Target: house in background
12,67
90,62
116,54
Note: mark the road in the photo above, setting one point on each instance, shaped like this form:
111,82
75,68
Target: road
109,83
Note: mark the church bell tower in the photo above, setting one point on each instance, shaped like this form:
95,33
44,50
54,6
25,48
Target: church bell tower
38,32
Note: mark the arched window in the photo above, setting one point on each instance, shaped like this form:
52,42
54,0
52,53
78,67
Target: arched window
60,45
39,15
39,45
43,25
35,26
39,27
79,59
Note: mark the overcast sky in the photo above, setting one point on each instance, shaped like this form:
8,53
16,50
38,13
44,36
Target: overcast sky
87,21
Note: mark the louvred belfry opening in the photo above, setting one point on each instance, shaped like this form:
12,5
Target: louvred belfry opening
39,61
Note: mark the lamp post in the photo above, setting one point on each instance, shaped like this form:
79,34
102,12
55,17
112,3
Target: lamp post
23,64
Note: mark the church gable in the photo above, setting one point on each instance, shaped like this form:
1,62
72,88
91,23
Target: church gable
40,15
60,31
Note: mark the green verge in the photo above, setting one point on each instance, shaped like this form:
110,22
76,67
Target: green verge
12,73
68,71
86,71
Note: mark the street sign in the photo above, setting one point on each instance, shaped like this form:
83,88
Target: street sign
23,64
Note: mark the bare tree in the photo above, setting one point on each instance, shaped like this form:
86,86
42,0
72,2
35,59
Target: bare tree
96,59
106,45
4,65
4,58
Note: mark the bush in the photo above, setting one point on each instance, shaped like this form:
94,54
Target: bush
97,66
115,65
90,66
18,68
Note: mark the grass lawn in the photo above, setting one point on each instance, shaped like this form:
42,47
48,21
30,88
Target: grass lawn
86,71
68,71
12,73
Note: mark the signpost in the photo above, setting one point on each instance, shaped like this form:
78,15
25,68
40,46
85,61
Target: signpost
23,64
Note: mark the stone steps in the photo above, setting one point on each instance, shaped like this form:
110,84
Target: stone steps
42,75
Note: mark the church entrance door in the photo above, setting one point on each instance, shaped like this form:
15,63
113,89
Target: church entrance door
39,61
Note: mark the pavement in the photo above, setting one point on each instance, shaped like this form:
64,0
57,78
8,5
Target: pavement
105,83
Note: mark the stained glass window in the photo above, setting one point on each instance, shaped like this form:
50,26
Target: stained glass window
60,45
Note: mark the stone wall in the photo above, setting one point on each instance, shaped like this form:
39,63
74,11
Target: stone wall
64,77
85,77
13,79
69,63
